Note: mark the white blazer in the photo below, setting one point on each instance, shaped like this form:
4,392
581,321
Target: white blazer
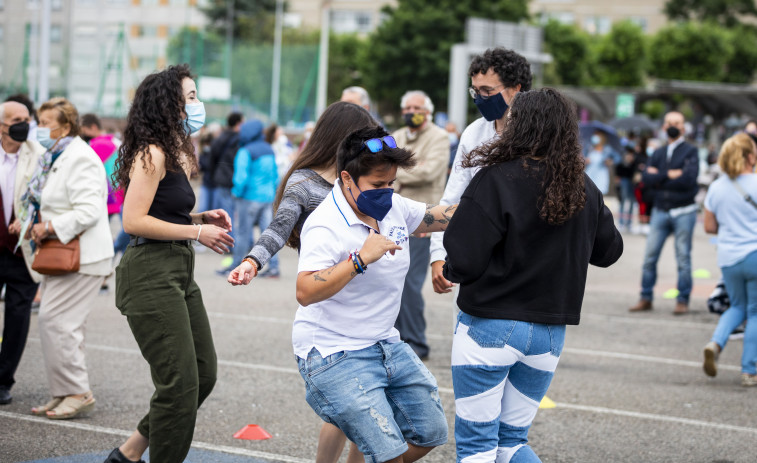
74,200
28,158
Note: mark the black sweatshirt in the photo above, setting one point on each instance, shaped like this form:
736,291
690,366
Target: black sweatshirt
512,264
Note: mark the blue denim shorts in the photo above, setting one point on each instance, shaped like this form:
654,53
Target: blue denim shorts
381,397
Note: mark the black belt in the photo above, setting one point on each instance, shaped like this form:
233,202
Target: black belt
139,241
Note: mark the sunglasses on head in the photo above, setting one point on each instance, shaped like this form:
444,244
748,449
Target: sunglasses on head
377,144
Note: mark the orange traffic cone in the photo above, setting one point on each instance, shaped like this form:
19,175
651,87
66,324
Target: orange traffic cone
252,432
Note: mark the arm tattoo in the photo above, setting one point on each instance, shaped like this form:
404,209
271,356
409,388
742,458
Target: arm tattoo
428,218
319,276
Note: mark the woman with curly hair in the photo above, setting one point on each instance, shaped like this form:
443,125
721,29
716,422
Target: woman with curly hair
155,287
538,222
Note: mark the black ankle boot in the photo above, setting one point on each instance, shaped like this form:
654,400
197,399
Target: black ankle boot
117,457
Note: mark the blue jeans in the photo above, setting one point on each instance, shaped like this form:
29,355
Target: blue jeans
249,214
205,202
381,397
627,200
122,240
741,284
410,322
222,199
661,225
501,369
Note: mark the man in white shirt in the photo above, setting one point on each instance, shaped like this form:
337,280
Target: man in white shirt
18,160
496,77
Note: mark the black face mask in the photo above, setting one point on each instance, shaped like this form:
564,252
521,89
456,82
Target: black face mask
673,132
19,131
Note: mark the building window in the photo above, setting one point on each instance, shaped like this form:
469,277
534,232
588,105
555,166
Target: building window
56,34
149,2
149,31
563,17
597,24
85,32
345,21
56,5
639,21
179,2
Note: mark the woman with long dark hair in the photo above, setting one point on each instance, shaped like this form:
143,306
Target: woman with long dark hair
155,287
538,222
302,189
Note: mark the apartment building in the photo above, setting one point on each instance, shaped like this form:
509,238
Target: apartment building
597,16
345,16
100,49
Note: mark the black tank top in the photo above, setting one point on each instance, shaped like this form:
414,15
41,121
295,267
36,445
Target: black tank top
174,199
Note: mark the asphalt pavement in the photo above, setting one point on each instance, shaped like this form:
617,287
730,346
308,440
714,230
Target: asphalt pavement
629,387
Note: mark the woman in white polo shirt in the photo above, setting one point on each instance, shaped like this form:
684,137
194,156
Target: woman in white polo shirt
358,374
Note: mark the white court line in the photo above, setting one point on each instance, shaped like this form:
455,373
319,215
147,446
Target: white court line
123,433
644,358
656,417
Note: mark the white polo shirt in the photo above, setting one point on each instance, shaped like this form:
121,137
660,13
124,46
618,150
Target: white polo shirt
365,310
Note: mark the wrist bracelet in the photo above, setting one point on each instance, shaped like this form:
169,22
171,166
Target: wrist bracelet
47,227
199,230
254,265
362,263
356,264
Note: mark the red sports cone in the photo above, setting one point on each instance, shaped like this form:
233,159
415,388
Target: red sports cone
252,432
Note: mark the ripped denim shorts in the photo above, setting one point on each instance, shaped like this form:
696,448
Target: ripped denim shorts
381,397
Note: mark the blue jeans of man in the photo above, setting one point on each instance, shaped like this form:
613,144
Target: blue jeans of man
661,225
222,199
627,200
410,322
122,240
205,202
741,284
501,370
249,214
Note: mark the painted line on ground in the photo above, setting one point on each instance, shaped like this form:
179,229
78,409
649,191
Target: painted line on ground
569,350
656,417
124,433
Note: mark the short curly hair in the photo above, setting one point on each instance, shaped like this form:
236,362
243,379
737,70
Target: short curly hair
512,68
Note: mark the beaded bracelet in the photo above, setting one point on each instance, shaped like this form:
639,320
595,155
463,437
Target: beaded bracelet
254,265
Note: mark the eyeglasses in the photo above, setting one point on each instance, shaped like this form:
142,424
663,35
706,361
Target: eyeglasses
474,93
377,144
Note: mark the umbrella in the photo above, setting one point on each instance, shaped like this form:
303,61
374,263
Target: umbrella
587,129
635,123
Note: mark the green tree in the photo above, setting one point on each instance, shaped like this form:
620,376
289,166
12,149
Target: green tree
690,51
621,55
411,48
725,12
253,19
345,54
743,63
569,47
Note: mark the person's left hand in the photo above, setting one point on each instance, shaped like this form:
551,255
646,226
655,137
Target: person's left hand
217,217
39,233
15,227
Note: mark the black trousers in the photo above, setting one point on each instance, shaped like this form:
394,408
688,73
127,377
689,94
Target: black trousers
19,294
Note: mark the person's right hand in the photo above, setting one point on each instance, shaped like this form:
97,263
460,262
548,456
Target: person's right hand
216,238
375,246
243,274
441,284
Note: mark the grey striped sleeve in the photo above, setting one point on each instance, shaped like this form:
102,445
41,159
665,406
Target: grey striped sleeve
304,191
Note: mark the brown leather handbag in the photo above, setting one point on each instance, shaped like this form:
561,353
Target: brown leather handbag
55,258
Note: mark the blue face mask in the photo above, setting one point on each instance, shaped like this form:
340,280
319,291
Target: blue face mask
492,108
374,203
195,117
43,137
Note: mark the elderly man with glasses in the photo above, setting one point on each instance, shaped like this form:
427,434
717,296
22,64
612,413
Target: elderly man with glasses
424,183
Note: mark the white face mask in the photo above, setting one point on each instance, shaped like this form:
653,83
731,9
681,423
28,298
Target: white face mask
43,137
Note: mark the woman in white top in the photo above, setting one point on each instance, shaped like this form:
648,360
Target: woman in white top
358,374
731,212
67,198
